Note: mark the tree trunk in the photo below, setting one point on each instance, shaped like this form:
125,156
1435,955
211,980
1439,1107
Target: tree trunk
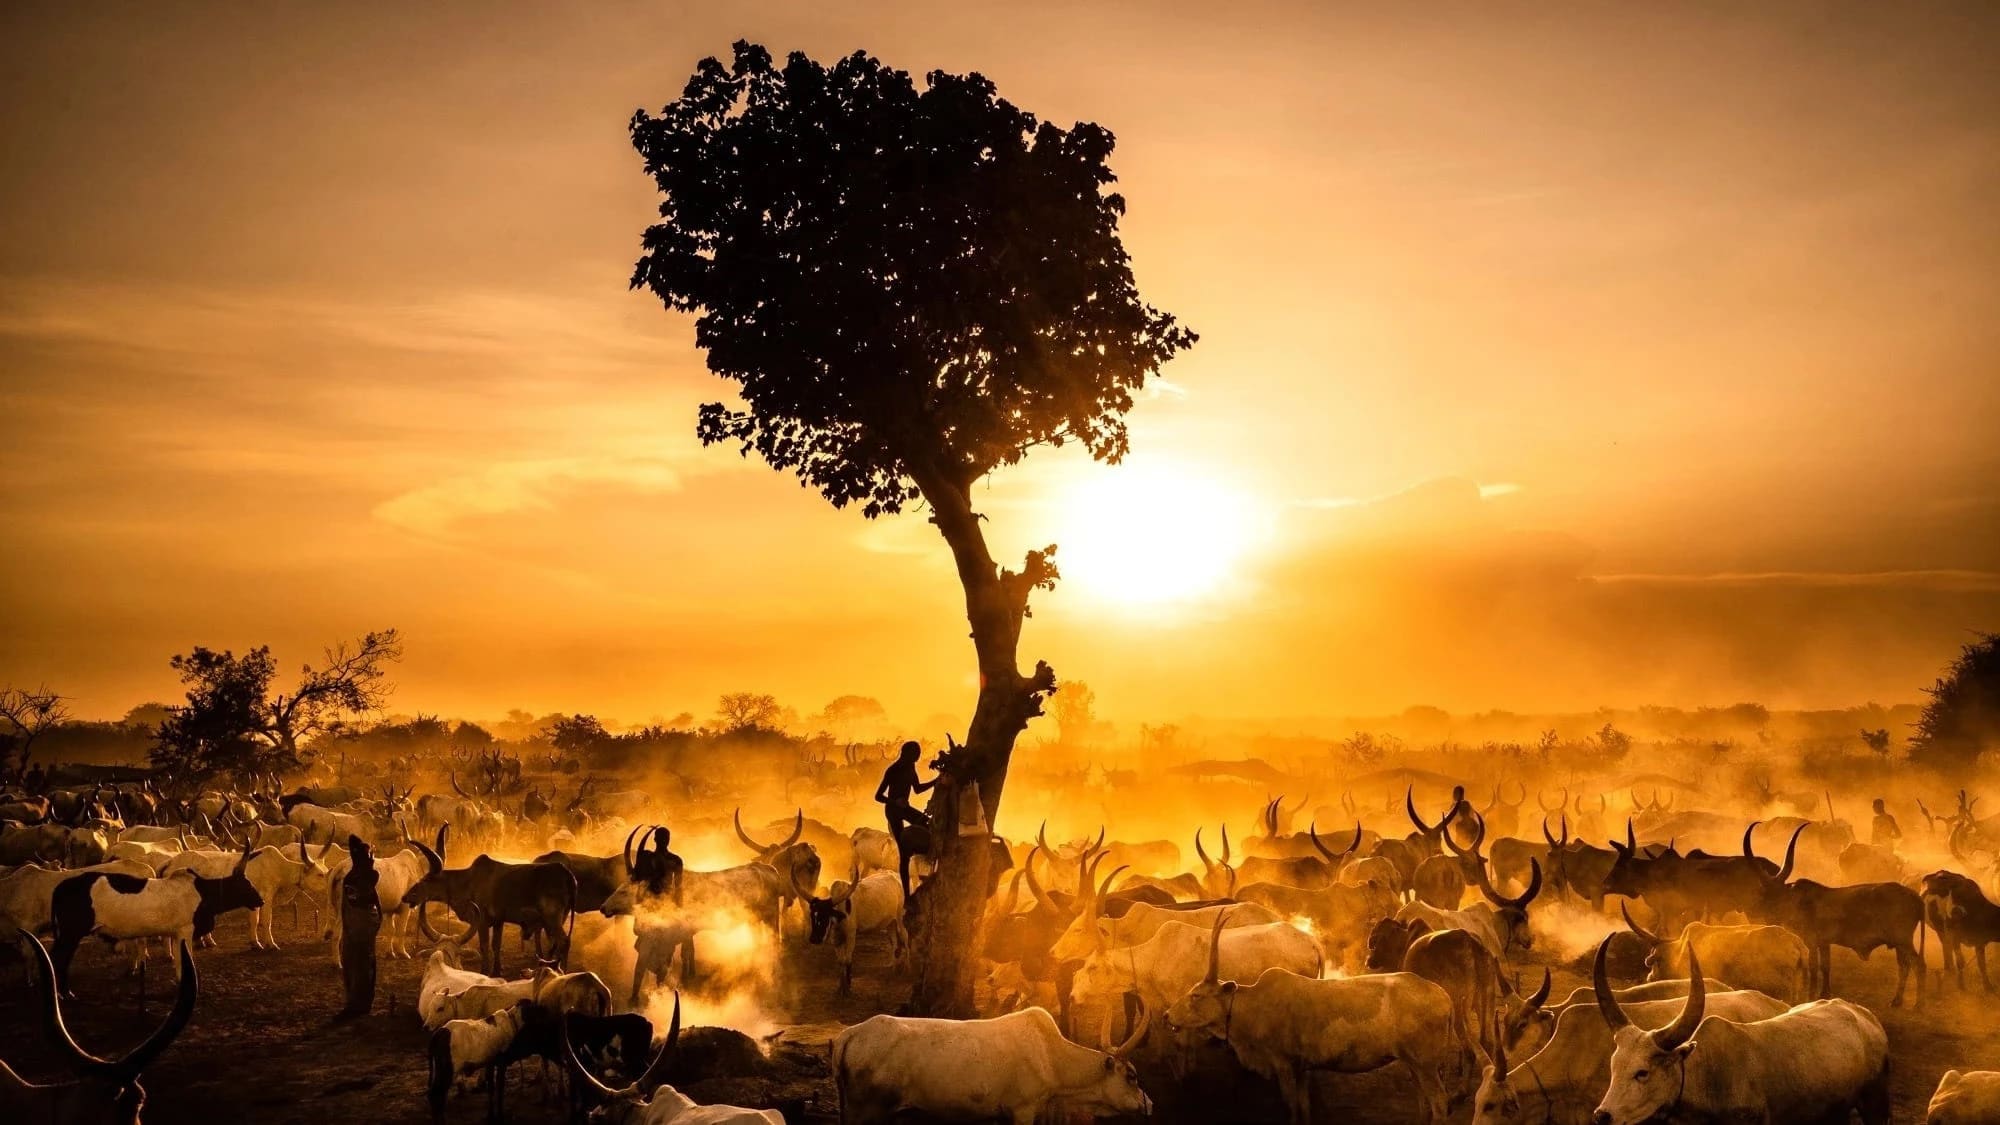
996,602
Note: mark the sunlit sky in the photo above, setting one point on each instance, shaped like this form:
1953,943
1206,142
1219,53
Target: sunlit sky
1552,356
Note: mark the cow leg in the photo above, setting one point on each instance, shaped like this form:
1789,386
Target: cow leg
1293,1087
1979,952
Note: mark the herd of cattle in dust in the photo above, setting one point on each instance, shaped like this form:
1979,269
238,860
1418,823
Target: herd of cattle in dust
1398,929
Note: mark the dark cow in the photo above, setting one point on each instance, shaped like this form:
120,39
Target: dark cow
1962,915
490,894
1863,918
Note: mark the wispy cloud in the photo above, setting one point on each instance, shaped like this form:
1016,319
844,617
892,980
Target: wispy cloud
517,486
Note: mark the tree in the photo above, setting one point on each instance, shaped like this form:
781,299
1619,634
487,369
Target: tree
29,715
1962,718
1076,713
1876,740
911,288
742,712
580,735
234,723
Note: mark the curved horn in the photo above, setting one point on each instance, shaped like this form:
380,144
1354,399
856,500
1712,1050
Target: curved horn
1207,864
577,1068
1791,854
1534,885
1522,799
1410,807
1225,845
798,829
1636,928
753,845
1682,1029
1499,1047
1347,804
1215,947
124,1069
431,859
656,1073
444,835
456,789
1034,884
243,860
1750,852
1301,806
1478,838
1548,808
1547,835
629,837
1138,1035
1541,995
1600,981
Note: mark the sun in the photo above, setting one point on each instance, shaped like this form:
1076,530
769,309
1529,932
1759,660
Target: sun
1156,535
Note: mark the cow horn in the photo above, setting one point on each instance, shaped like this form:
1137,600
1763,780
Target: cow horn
577,1068
1207,864
1225,845
1528,896
1215,947
1548,808
629,836
745,836
1547,835
444,831
1791,854
1271,816
455,787
1312,833
1499,1048
1138,1035
1410,807
1347,804
1301,806
1523,798
798,829
656,1073
433,860
1636,928
1600,981
1749,851
1478,838
1034,884
1631,840
1682,1029
243,860
1541,995
128,1068
1099,845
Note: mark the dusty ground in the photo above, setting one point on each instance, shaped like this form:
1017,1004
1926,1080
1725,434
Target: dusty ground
263,1049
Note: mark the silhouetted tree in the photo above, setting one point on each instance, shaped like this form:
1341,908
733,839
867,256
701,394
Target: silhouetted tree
1963,717
1076,713
1877,740
577,734
28,715
911,287
740,712
233,722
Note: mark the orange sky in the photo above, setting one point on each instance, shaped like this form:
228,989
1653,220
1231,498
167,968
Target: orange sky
1551,356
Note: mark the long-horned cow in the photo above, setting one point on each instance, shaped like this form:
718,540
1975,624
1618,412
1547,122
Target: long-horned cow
1816,1062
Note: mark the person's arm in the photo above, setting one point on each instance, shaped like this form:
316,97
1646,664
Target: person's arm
882,790
925,786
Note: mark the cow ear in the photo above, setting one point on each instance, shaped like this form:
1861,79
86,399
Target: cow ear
1228,986
1685,1049
1110,1064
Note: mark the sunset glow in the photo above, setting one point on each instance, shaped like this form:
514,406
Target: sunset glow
1152,536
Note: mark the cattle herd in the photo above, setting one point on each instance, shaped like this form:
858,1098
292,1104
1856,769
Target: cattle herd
1397,930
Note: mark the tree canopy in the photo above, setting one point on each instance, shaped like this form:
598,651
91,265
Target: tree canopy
1962,718
911,286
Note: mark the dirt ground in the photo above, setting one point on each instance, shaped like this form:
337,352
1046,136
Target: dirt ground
262,1047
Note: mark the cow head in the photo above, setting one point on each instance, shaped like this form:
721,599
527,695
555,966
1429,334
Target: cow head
1648,1068
1336,858
1426,839
827,912
1118,1091
1512,913
1496,1102
768,853
217,897
1205,1010
1627,875
1218,879
106,1090
433,886
1526,1020
626,1103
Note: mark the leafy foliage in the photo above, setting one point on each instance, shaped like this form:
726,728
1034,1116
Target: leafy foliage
28,714
907,284
1962,718
743,711
234,722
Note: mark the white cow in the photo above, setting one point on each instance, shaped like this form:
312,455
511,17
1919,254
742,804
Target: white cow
867,905
1162,968
1965,1097
1815,1062
1009,1067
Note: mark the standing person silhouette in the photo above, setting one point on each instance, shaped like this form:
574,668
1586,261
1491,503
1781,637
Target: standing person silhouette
360,921
1884,833
899,781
